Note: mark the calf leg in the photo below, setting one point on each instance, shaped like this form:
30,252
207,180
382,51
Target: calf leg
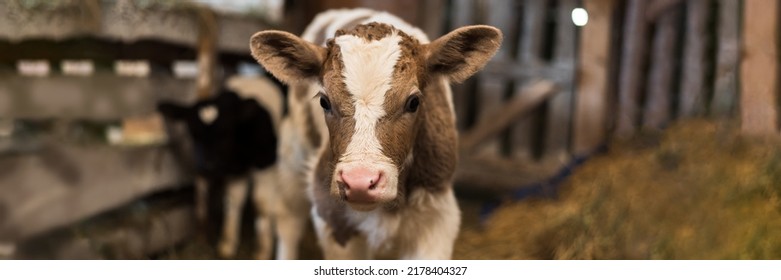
235,197
264,232
290,229
264,199
201,206
267,201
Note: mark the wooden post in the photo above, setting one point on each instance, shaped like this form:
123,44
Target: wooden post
692,95
759,68
726,81
660,85
630,80
557,133
592,79
207,53
430,21
529,52
519,106
491,88
463,94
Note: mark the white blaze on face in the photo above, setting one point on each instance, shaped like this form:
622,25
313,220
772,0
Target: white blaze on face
368,72
208,114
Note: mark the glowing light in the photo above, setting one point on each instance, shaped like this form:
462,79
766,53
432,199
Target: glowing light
579,16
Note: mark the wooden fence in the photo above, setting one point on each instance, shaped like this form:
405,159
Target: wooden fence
53,183
555,92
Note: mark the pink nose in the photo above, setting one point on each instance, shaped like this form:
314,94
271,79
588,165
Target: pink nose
361,184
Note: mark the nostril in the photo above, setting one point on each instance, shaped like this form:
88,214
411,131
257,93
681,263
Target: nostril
359,179
375,181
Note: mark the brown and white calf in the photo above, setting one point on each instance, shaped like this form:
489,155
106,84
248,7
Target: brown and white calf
381,182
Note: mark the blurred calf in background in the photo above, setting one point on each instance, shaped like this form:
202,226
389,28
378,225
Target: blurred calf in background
234,140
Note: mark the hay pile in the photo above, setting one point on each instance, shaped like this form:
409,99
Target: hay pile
698,191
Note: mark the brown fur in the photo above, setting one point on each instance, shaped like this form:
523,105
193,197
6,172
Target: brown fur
429,134
290,57
461,53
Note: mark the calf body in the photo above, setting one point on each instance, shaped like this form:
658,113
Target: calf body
381,182
235,139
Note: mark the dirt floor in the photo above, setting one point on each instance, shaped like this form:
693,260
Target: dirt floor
697,191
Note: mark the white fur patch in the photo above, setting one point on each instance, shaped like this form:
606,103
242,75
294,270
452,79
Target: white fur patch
368,71
208,114
425,228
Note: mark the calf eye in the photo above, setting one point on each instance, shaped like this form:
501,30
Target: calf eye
325,103
413,102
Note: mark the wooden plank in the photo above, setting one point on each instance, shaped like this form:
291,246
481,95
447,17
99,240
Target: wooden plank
529,52
125,21
590,120
99,97
520,105
759,68
693,96
207,41
100,51
561,73
500,176
557,133
132,234
61,183
657,8
658,105
433,23
463,14
631,79
491,89
725,90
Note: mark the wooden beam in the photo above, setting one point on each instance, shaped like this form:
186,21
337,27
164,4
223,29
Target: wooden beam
658,8
759,68
559,120
561,73
693,97
658,105
725,90
124,21
463,14
492,89
207,40
590,120
633,55
530,41
500,118
497,176
99,97
433,23
60,184
129,233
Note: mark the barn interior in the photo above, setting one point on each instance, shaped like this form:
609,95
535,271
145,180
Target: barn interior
602,129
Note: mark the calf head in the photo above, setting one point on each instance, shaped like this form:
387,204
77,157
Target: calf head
215,126
372,79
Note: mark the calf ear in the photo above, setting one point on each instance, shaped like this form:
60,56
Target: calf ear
172,111
286,56
462,52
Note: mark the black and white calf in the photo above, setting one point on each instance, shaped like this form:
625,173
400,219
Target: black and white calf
234,136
